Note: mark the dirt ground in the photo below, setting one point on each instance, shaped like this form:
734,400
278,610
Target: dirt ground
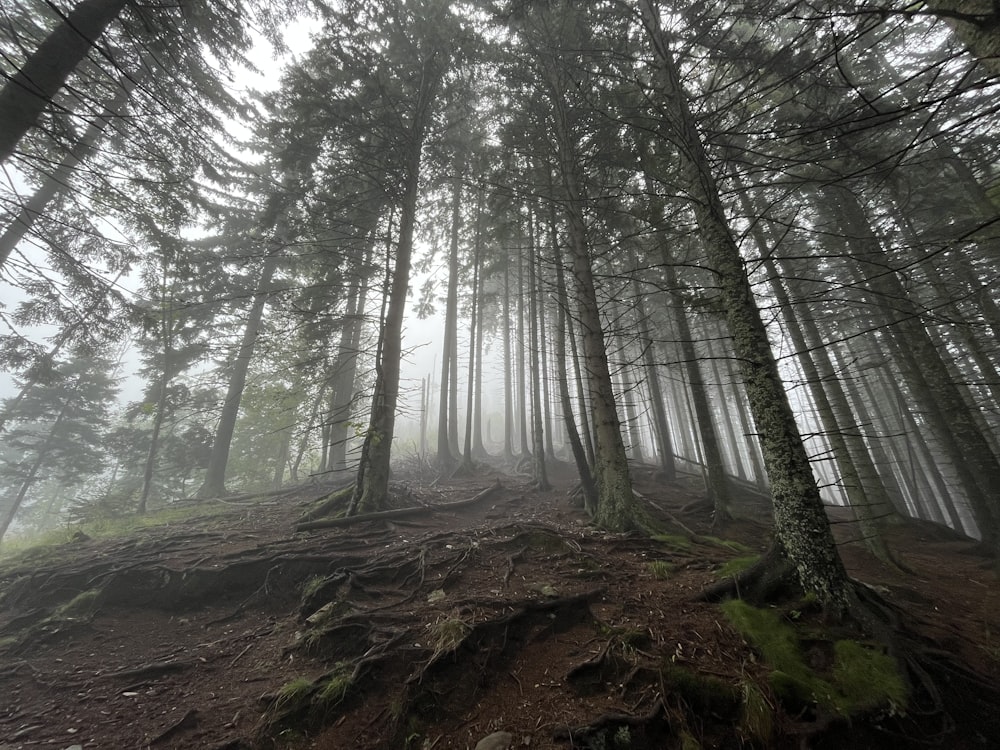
434,629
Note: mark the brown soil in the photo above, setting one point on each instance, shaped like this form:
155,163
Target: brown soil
434,629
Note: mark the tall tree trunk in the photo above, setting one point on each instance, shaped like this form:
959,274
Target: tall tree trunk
615,508
467,464
801,525
27,93
15,504
958,432
661,427
977,24
562,374
478,449
716,478
215,476
538,472
446,435
522,386
59,179
372,487
508,375
346,365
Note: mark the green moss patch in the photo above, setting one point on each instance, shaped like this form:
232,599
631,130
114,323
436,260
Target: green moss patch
862,679
676,541
737,565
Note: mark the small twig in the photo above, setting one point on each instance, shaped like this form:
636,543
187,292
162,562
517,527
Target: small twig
237,658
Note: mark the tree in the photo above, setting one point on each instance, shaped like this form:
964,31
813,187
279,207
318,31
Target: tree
801,527
58,427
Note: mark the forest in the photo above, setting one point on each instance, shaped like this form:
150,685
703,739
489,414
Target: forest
712,274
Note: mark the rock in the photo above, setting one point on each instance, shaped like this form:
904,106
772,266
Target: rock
496,741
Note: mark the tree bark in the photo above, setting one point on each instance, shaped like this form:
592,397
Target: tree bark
372,487
215,476
53,184
803,531
27,93
449,347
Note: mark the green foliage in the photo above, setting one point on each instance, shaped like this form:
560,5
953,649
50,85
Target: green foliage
862,679
757,714
724,543
677,541
661,569
866,679
737,565
622,737
334,688
293,693
448,634
80,607
704,694
27,548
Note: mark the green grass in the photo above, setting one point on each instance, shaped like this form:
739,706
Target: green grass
737,565
28,548
661,569
677,541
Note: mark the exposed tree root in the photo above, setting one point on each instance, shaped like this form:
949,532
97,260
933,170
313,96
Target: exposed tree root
333,501
923,668
619,730
771,578
415,510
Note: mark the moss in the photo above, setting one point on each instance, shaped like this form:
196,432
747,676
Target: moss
677,541
313,584
866,679
737,565
661,569
688,741
861,680
622,738
703,694
724,543
80,607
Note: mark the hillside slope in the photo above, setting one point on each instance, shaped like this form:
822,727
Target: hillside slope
506,613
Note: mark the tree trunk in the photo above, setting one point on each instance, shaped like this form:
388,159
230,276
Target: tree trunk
801,525
372,487
977,24
661,427
953,420
717,479
615,507
538,468
449,347
215,476
27,93
59,180
508,375
346,366
8,516
562,375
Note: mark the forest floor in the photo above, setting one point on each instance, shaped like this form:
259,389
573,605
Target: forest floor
445,626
